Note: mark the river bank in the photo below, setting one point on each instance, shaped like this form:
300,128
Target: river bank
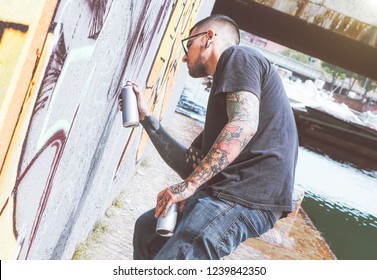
111,239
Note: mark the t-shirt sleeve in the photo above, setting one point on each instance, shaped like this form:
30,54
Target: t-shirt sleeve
239,70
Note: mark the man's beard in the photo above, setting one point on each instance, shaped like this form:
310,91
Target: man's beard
199,70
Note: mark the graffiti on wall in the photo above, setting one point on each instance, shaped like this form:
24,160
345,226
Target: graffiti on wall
20,52
99,10
69,154
160,81
10,33
11,25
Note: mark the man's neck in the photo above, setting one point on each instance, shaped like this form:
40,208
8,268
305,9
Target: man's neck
214,59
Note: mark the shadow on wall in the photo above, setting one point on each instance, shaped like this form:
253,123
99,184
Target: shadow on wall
64,154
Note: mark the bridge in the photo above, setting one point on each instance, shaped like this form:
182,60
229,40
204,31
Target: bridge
343,33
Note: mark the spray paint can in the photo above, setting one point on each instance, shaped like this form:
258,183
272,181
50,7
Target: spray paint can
130,112
165,225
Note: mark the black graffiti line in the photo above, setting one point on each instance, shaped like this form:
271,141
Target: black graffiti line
99,12
15,26
52,73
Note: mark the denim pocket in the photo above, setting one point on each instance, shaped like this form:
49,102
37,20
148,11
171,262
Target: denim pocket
250,223
253,230
259,221
229,240
238,232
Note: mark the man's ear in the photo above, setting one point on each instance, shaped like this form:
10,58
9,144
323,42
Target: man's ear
210,34
210,37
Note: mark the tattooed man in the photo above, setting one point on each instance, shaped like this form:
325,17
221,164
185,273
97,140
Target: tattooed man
239,172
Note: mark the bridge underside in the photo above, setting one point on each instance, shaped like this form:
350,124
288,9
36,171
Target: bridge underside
355,51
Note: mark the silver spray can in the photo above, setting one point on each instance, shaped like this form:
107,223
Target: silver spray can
130,112
165,225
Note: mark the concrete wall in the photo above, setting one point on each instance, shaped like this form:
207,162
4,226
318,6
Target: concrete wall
364,11
349,18
64,154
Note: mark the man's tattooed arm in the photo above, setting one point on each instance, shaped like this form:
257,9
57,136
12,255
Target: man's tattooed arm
243,116
179,158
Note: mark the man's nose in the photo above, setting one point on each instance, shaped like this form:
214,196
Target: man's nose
184,58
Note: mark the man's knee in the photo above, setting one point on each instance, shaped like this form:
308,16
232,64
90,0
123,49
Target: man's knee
146,222
143,231
140,224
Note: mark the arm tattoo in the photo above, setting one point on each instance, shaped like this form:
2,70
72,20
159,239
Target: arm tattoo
243,106
243,118
179,189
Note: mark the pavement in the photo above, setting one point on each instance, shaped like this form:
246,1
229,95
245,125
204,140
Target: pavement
292,238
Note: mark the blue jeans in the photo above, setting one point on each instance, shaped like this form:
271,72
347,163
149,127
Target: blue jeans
209,228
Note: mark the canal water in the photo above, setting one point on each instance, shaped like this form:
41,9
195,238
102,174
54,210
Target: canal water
340,199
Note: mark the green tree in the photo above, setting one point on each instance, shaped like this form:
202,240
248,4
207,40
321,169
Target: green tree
336,72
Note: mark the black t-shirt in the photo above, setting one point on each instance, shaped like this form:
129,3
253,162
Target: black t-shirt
262,176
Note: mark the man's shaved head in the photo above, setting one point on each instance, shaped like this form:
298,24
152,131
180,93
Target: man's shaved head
223,25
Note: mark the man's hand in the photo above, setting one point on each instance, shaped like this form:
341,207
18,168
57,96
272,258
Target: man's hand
141,103
174,194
